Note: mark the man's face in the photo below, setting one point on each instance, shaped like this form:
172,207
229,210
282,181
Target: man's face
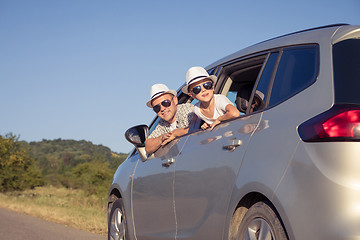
166,113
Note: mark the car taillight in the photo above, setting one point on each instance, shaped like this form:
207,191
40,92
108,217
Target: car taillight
340,123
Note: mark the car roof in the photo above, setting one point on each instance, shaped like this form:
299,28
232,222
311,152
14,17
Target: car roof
313,35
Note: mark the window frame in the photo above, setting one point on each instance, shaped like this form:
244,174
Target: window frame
222,78
316,73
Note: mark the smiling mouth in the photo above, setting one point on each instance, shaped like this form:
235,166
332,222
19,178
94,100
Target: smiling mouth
165,113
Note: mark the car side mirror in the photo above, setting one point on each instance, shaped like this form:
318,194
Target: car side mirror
137,135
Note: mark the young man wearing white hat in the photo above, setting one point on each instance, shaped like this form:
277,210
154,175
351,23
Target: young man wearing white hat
212,108
175,118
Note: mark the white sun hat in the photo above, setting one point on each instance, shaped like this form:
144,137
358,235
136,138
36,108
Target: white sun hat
196,74
157,90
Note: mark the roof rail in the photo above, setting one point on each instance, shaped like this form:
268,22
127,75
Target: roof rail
316,28
306,30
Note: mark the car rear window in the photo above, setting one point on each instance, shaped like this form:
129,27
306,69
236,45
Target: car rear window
346,63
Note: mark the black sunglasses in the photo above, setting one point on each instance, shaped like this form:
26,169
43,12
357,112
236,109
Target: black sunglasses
208,85
165,103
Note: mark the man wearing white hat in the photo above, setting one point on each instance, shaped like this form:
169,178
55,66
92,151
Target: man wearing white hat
175,119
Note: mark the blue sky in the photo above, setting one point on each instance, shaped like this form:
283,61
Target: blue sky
82,69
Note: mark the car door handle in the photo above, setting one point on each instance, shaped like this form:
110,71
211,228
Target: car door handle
231,144
168,162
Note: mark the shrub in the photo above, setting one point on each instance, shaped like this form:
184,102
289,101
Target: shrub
18,171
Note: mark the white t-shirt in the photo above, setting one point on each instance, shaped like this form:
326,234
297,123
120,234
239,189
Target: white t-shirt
221,102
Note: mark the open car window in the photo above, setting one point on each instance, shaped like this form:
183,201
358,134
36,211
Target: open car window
238,80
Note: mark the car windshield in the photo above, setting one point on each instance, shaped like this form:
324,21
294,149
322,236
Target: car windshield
346,62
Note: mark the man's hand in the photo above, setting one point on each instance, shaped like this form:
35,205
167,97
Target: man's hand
165,136
174,134
168,137
152,144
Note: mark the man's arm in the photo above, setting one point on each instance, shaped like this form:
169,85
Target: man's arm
152,144
174,134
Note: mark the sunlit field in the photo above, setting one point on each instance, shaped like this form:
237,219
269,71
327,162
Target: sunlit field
65,206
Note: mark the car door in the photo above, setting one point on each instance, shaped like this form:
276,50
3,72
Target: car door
152,194
205,174
208,165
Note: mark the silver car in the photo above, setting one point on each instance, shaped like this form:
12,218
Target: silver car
287,168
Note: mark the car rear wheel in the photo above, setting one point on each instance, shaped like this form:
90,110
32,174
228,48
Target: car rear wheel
117,228
261,222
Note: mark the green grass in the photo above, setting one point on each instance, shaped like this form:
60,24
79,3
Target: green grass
69,207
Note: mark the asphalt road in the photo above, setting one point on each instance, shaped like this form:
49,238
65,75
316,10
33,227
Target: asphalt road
17,226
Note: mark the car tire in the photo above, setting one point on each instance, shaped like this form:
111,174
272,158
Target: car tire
261,221
117,225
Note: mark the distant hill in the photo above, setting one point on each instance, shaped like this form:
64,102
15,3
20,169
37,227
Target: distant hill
74,163
55,153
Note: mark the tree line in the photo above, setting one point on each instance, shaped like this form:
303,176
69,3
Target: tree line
59,162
